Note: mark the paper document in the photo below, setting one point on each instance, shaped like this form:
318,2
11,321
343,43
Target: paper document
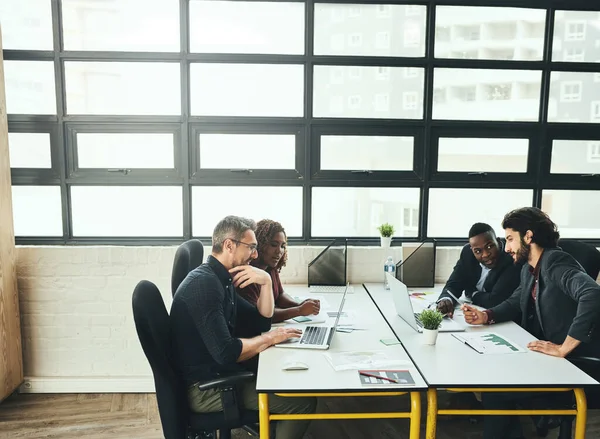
489,343
362,359
323,301
386,377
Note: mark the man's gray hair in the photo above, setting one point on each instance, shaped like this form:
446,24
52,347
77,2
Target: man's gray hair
230,227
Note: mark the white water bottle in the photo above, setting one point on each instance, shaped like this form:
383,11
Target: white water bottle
389,267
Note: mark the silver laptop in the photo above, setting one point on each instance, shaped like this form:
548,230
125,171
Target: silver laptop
316,337
405,309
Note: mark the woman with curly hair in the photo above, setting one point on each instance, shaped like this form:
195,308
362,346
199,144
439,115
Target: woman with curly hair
272,256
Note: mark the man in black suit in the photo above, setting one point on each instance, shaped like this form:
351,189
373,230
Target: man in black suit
483,272
558,302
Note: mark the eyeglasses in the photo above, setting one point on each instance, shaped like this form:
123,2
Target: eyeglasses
253,247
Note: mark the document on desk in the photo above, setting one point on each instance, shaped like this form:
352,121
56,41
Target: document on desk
489,343
386,377
354,360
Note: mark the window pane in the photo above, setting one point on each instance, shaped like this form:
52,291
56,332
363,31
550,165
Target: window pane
246,27
482,155
369,30
29,150
286,208
37,210
372,153
480,94
125,150
574,97
359,211
575,157
140,88
30,87
575,36
123,25
489,33
26,25
247,90
368,92
230,151
574,212
127,211
451,210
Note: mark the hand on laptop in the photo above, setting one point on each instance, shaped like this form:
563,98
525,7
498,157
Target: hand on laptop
473,316
446,307
279,335
310,307
244,275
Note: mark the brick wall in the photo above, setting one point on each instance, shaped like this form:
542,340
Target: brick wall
78,331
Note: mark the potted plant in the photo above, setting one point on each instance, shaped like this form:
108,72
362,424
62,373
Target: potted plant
386,231
431,320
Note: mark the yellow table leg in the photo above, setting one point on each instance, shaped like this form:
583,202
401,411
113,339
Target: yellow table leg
581,417
432,409
415,415
263,415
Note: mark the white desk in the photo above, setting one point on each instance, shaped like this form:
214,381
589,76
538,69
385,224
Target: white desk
453,365
322,380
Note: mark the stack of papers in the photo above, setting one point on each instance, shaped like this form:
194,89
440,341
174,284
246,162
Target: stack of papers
355,360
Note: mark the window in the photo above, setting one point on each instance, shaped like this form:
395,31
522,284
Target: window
410,218
30,87
459,154
352,208
354,102
411,72
373,153
593,152
246,27
410,100
575,31
570,91
411,10
574,54
126,25
382,102
323,90
491,98
575,157
372,39
30,203
595,116
288,209
450,210
247,89
26,25
383,73
384,11
29,150
574,212
596,77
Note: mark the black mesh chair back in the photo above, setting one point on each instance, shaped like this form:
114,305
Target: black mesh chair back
586,254
189,255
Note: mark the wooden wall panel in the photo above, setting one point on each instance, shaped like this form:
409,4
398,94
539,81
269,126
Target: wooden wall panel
11,356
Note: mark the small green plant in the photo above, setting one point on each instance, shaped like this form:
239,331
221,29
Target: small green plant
386,230
431,319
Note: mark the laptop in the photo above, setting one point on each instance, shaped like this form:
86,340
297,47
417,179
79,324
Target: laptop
316,337
404,308
328,271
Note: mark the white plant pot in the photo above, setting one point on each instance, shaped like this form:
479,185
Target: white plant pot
430,336
386,242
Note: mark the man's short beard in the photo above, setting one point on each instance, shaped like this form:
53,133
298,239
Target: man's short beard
524,251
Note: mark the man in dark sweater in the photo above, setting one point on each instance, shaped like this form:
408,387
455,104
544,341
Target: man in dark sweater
558,302
208,320
485,273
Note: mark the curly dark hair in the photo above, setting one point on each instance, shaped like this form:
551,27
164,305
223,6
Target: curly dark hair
545,233
265,231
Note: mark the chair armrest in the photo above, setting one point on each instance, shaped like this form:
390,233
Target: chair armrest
229,380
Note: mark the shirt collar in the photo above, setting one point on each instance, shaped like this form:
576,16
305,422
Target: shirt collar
219,269
535,271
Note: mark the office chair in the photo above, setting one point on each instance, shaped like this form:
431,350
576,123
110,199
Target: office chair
188,256
589,257
178,422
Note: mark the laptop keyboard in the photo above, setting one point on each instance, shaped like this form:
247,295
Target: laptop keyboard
329,289
314,335
418,319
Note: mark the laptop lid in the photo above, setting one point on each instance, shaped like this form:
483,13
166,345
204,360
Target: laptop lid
329,267
337,319
402,302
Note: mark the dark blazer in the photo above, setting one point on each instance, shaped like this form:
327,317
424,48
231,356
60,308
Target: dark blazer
500,283
568,301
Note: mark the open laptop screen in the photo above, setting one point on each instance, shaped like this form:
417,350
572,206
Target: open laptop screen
329,267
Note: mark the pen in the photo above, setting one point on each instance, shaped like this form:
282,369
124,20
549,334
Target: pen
453,296
378,377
